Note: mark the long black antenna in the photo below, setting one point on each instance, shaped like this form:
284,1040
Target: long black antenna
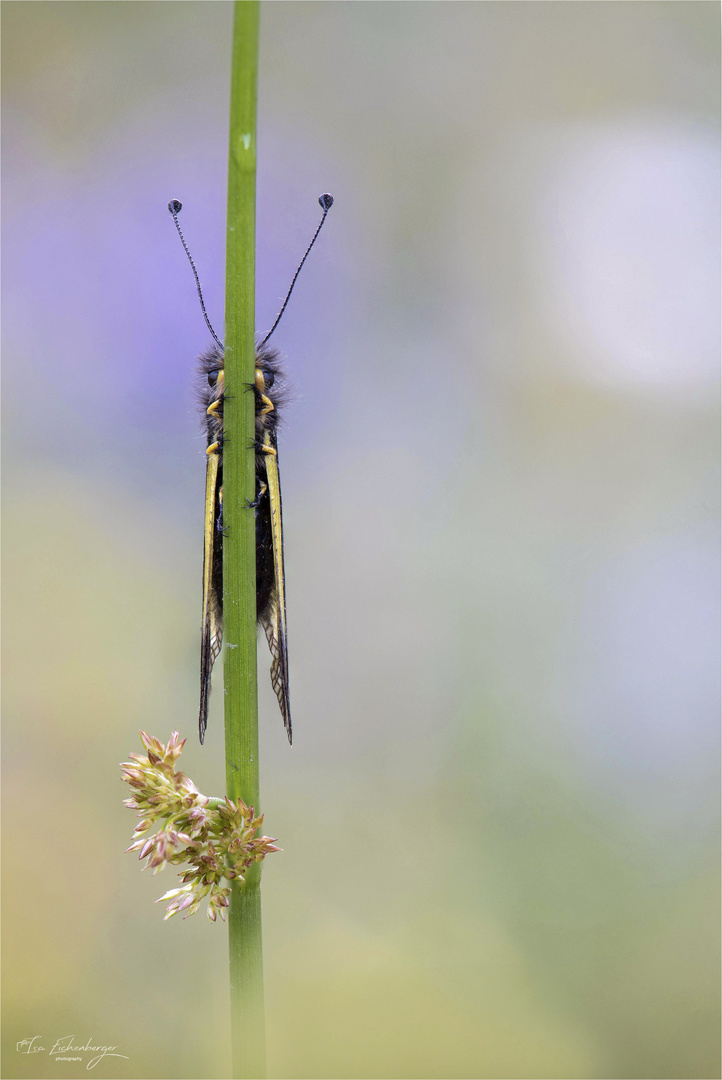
175,208
325,202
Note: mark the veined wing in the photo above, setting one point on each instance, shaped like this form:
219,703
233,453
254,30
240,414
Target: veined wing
274,621
212,621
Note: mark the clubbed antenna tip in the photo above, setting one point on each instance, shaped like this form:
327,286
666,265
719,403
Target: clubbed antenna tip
175,208
325,202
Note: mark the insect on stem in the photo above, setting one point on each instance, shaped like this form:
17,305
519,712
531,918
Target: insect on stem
268,389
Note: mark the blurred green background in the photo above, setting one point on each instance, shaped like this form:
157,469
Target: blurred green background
499,816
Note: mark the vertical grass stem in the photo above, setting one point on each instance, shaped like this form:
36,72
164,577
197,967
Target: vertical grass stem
239,546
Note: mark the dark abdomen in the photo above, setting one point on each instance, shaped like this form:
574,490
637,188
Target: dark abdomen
265,576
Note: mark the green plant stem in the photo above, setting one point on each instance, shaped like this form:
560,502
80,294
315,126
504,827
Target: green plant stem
239,545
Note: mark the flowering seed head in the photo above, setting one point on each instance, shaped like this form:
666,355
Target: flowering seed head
216,840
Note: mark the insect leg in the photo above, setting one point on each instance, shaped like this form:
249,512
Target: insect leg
252,505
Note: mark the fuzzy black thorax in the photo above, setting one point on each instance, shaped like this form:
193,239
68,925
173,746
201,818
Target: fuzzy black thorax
269,381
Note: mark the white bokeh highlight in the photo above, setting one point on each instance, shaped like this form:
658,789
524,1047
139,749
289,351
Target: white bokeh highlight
634,279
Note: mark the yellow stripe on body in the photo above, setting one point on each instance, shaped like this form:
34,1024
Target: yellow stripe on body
274,494
275,623
208,532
